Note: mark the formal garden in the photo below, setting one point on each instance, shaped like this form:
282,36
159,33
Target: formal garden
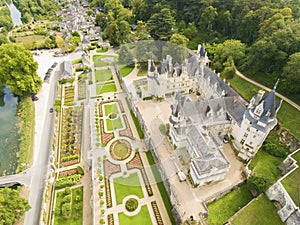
127,186
120,149
70,136
69,206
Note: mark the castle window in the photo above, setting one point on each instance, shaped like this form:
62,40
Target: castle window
245,135
254,136
242,141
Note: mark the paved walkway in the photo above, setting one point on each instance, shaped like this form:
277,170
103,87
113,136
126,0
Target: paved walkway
266,88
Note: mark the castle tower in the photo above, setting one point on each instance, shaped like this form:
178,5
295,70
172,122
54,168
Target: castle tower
258,120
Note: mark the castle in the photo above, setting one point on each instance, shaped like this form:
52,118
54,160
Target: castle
199,126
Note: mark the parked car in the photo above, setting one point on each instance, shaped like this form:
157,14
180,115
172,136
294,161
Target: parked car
34,97
54,65
51,110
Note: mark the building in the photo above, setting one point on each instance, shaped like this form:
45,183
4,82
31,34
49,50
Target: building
199,126
66,70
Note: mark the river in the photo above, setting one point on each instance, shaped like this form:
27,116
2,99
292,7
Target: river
9,138
15,14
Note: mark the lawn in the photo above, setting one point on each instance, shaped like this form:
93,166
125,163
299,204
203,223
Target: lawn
31,42
105,88
266,165
113,124
143,217
136,121
126,69
110,108
103,75
98,62
296,156
75,217
160,186
260,211
289,117
224,208
292,185
127,186
142,72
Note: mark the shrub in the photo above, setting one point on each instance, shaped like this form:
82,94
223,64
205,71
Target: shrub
80,170
163,128
131,204
260,184
102,221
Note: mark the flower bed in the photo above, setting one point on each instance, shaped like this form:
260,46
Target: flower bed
70,136
81,90
68,172
137,163
127,131
157,213
109,169
69,96
105,137
110,219
120,149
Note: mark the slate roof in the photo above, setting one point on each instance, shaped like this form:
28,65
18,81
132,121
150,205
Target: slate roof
66,69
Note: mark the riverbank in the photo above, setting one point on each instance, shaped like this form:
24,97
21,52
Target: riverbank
25,113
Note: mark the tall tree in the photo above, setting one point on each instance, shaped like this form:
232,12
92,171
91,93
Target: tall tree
291,75
208,19
12,207
18,70
162,25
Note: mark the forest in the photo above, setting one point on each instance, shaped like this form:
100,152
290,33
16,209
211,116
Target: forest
261,37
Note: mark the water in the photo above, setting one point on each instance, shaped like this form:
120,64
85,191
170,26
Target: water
15,14
9,138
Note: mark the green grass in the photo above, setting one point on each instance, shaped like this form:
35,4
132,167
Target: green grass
102,50
113,124
266,165
160,186
296,156
289,117
105,88
120,150
98,62
76,61
224,208
103,75
292,185
110,108
143,217
32,41
260,211
126,69
76,208
127,186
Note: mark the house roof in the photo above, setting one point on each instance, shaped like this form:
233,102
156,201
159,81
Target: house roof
66,69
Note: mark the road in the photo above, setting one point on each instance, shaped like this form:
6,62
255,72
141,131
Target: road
266,88
41,167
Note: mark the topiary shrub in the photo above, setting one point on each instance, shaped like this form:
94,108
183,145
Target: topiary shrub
131,204
80,170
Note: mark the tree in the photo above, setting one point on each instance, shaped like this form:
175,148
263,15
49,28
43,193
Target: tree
18,70
260,184
179,39
208,17
12,206
291,73
112,32
161,25
125,55
141,31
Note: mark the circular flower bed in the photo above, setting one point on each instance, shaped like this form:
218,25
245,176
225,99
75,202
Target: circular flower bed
112,116
120,149
131,204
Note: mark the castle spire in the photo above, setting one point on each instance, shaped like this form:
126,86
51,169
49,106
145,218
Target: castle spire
275,86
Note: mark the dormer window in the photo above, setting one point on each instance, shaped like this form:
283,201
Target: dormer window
259,110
